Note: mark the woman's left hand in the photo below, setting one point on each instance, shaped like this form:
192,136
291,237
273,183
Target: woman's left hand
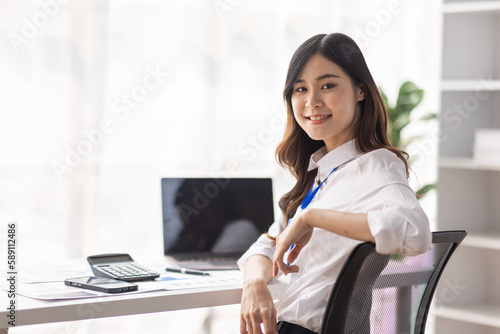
297,233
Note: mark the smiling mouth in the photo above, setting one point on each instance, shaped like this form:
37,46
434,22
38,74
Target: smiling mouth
318,118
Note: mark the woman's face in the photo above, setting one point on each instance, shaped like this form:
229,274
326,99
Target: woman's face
325,102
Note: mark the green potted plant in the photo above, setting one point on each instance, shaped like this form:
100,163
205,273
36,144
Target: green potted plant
409,97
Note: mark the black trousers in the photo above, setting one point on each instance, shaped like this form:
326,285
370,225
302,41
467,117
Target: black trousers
289,328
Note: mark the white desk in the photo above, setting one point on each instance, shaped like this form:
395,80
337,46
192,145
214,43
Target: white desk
30,311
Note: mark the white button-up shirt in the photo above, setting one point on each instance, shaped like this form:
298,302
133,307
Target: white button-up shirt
374,183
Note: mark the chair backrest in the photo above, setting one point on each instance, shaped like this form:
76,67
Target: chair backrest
386,294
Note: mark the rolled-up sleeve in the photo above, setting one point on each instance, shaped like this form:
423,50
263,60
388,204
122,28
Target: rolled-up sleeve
395,217
402,229
264,245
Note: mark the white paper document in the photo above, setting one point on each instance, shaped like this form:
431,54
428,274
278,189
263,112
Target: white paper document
58,290
219,278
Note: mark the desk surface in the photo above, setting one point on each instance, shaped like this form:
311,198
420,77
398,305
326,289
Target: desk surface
31,311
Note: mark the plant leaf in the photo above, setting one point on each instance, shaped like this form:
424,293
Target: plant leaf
425,189
409,97
429,116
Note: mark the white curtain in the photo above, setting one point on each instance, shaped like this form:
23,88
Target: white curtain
100,99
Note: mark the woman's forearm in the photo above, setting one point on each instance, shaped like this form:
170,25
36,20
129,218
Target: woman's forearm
347,224
299,232
258,267
257,305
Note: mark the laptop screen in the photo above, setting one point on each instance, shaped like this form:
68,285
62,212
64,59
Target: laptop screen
215,215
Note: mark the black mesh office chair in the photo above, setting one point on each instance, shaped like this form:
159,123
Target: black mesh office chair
387,294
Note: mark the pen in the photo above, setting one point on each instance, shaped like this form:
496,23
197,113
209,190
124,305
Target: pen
187,271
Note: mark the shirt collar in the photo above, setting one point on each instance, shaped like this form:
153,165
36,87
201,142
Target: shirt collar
326,161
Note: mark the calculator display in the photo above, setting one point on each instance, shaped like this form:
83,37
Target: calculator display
111,259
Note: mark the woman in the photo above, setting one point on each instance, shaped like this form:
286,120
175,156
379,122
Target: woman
352,186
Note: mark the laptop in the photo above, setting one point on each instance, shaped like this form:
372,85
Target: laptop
208,223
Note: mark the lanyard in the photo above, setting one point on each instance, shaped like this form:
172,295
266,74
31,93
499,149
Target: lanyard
310,195
312,192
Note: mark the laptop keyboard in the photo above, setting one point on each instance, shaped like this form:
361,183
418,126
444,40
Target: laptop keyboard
210,259
207,257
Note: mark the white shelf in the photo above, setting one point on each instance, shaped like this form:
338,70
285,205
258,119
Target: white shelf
471,7
468,190
482,314
482,240
481,84
465,163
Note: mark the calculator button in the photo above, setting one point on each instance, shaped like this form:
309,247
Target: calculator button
128,272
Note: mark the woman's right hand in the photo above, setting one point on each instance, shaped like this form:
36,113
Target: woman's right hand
257,307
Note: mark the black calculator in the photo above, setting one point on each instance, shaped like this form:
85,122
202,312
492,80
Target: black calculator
121,267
